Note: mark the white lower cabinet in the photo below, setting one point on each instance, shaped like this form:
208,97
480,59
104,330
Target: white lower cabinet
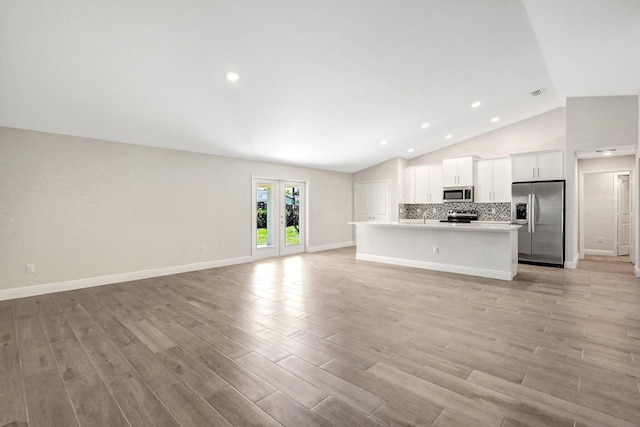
493,181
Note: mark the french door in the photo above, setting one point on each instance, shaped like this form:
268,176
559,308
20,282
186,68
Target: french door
278,218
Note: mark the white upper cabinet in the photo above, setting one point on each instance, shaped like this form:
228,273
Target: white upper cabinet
409,195
457,172
423,184
435,184
550,165
541,166
493,181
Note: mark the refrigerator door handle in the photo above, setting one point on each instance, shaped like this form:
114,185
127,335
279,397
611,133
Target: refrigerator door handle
533,213
529,213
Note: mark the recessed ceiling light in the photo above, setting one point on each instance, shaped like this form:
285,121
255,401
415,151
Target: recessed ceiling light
606,153
232,77
449,136
495,119
384,142
424,125
475,104
411,150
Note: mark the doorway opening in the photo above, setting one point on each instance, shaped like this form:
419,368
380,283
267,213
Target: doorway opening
605,216
279,218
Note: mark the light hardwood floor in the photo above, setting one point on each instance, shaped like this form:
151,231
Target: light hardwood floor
322,339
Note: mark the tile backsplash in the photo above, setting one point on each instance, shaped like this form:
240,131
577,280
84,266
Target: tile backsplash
416,210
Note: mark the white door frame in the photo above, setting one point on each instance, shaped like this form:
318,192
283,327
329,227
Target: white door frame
277,214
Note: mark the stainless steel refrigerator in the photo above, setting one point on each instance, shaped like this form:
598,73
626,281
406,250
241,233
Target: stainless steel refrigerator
539,208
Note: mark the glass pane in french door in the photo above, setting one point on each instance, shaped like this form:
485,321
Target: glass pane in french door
292,214
265,211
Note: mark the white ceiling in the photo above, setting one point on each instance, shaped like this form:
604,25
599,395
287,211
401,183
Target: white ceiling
321,82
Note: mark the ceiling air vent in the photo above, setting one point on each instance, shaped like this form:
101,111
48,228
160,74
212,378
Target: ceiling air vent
537,92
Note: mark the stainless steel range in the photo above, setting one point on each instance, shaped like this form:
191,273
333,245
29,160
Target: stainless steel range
461,216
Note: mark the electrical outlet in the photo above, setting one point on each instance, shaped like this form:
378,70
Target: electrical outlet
436,250
599,239
434,210
202,250
493,210
31,268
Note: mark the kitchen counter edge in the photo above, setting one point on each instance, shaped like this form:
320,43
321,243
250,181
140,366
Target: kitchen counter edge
474,226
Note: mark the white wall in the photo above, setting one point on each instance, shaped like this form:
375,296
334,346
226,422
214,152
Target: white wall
593,122
543,132
80,208
607,164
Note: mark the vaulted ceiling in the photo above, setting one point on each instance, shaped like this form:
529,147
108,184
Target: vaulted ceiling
322,83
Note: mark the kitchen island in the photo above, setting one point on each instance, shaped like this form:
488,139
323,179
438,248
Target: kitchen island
477,249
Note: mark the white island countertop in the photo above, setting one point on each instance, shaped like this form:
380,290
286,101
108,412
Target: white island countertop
475,225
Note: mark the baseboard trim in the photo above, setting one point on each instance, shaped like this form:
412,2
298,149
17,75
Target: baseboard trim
330,247
599,252
69,285
573,264
472,271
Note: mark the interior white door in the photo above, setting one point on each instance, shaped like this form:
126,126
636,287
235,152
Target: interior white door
278,218
381,201
371,201
624,215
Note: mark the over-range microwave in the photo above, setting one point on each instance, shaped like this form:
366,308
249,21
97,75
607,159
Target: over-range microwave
458,194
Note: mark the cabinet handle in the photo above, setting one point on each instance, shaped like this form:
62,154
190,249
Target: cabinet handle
534,172
538,172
